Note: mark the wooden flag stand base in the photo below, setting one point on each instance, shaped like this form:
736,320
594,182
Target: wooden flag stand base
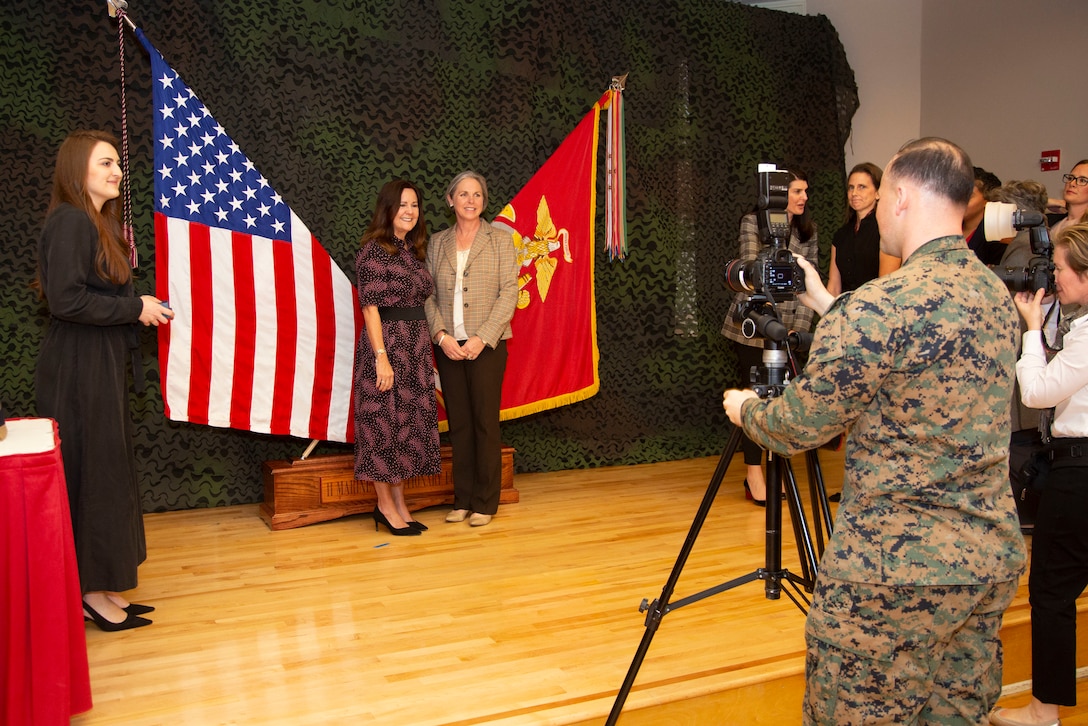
298,492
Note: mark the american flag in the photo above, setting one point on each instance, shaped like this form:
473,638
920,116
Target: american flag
265,322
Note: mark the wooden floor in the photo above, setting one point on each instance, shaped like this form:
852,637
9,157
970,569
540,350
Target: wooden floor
531,620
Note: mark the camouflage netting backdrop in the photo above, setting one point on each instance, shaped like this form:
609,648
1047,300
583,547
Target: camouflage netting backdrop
331,98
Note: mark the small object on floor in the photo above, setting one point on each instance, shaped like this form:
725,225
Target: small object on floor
379,518
479,520
457,515
996,719
748,496
132,621
836,497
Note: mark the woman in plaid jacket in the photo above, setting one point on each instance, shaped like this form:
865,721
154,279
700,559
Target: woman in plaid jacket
475,271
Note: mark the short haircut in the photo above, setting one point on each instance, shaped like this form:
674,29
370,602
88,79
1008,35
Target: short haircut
938,166
986,181
1028,195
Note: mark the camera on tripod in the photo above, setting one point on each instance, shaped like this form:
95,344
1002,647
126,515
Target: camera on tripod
773,272
1003,221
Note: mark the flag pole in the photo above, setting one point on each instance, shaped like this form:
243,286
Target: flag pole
117,8
309,449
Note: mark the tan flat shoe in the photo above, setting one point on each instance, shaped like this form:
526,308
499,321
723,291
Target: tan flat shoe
457,515
996,719
479,520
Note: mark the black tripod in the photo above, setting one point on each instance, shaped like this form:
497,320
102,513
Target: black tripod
768,381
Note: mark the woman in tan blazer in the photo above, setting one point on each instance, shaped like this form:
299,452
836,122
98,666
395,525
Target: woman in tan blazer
475,271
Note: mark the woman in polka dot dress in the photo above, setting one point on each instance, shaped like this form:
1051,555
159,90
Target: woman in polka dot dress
396,419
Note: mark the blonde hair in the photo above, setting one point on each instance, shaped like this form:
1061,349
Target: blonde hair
1075,241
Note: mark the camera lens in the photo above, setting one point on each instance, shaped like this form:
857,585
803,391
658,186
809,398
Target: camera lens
1026,279
743,276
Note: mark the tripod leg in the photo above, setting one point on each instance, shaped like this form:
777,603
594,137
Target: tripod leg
802,535
773,545
820,505
660,607
779,476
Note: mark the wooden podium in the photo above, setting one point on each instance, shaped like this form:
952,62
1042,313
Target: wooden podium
298,492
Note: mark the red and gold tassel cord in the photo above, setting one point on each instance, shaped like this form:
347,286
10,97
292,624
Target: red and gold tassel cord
615,203
117,9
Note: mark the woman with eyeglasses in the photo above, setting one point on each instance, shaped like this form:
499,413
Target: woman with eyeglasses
1076,198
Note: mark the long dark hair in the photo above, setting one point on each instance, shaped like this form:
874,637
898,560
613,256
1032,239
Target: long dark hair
802,222
70,187
874,172
380,229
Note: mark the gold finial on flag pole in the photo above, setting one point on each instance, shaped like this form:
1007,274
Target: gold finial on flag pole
619,83
119,7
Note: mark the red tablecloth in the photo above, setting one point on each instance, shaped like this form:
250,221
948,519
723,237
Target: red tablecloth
43,648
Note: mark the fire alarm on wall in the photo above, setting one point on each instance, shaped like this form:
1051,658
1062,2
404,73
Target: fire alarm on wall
1050,160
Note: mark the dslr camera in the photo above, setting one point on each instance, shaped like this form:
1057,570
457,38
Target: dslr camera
1004,220
773,272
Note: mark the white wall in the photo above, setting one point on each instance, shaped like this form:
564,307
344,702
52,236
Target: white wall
1005,80
883,42
1002,78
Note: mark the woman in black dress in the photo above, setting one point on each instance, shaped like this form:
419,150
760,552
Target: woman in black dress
81,379
396,414
856,257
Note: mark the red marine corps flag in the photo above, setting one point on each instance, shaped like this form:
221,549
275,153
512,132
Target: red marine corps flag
553,351
266,322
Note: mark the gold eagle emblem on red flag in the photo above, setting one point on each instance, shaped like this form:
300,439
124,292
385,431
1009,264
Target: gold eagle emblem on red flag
536,253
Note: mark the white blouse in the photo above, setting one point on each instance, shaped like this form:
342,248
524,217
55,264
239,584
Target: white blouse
1062,383
459,297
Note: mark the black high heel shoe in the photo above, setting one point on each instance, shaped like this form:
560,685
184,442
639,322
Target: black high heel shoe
408,531
414,524
135,608
753,500
132,621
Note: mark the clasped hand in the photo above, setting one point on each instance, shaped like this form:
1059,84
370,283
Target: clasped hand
154,312
468,351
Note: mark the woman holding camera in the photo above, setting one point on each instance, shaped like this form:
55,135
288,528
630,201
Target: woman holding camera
791,313
1059,554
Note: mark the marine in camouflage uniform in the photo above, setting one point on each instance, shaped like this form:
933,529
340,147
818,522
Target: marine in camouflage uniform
926,549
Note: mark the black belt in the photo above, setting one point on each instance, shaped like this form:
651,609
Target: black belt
1068,449
395,313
